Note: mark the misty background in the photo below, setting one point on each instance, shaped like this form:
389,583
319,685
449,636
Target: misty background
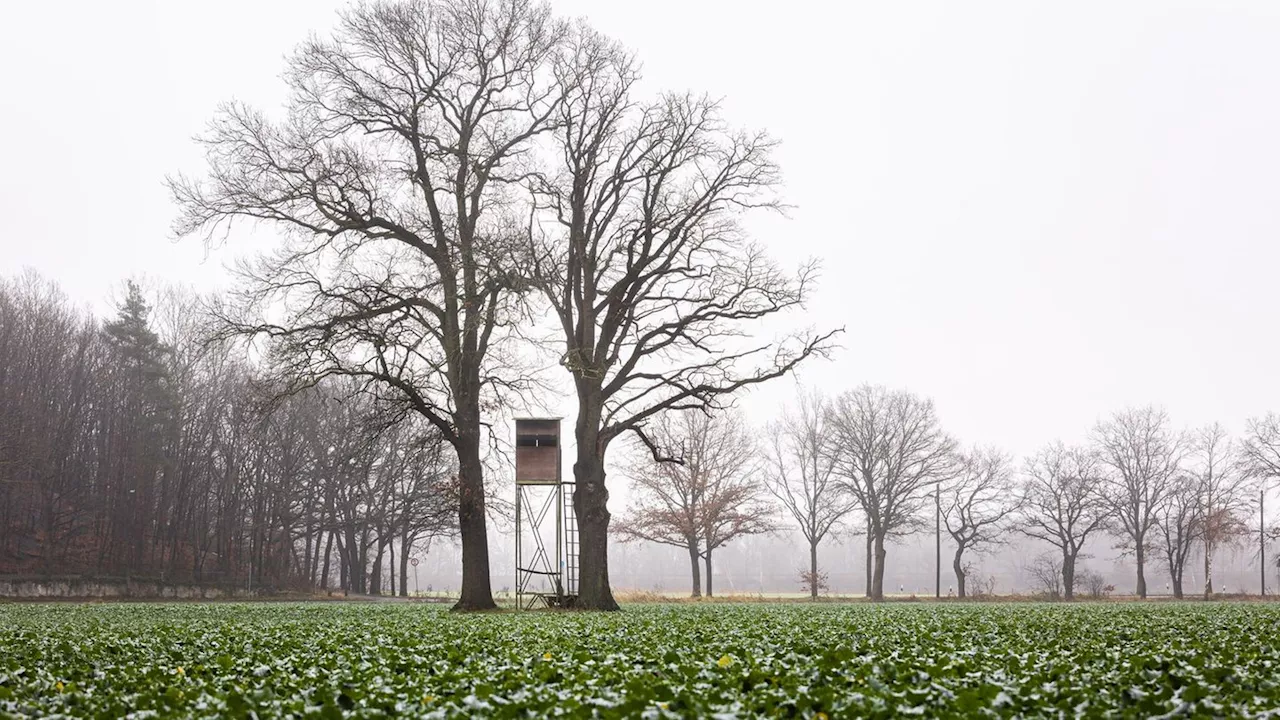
1035,216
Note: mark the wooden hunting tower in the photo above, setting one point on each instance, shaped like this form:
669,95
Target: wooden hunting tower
546,527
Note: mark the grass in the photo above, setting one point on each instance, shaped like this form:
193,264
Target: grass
686,660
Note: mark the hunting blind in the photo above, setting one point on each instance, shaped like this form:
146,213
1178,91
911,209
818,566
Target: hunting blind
546,527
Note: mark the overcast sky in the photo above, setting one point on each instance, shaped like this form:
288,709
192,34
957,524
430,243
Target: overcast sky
1035,213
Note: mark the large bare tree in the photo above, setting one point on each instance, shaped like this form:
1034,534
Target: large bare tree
708,498
1063,503
978,505
890,451
1142,454
394,179
657,292
801,474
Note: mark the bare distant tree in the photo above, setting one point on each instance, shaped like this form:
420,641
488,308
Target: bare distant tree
978,505
814,583
1093,583
425,497
890,451
1142,454
1207,502
1048,573
737,507
1178,521
392,179
701,503
1261,460
657,291
800,473
1222,492
1262,448
1063,504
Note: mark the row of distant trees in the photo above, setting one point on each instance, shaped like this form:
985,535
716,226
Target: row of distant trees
135,448
876,462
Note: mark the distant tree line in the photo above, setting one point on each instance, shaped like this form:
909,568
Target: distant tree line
876,462
133,448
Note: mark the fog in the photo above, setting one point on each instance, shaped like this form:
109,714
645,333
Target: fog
1034,215
772,565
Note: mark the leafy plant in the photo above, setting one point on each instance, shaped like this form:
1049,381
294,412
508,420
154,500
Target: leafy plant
651,661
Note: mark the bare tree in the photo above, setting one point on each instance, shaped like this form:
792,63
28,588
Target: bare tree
737,503
1222,492
1262,447
1063,504
890,451
1178,520
656,290
799,472
701,503
54,481
977,505
1094,583
394,177
1143,455
1261,460
814,582
424,495
1048,574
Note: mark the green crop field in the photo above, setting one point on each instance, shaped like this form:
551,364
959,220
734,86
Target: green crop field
782,660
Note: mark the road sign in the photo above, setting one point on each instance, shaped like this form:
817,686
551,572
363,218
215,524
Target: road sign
413,562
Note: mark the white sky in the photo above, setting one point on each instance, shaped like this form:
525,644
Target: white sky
1035,213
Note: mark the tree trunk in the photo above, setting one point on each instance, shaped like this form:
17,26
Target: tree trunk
356,570
937,537
696,569
307,555
708,580
870,541
324,572
1142,578
1068,576
476,591
813,571
1176,576
391,565
1208,570
405,546
375,576
877,578
591,505
959,568
344,581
